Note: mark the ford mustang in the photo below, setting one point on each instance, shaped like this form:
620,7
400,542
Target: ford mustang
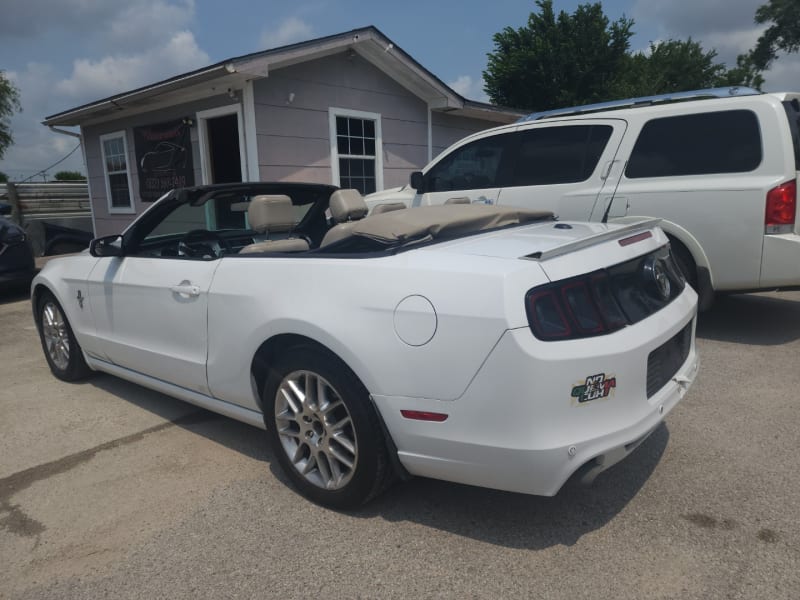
486,345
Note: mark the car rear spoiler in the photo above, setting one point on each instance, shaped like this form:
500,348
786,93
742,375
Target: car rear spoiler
625,231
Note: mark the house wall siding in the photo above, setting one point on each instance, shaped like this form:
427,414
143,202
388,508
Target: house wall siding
108,223
302,125
292,127
448,129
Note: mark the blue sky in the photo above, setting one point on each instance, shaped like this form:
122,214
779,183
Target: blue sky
63,54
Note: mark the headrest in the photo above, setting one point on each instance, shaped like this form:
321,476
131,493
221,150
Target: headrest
271,213
347,205
388,207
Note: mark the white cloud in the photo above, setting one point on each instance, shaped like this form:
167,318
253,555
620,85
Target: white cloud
140,42
289,31
130,20
469,88
782,77
145,22
683,18
725,26
91,79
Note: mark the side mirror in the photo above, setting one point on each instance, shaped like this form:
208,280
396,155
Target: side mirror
110,245
417,181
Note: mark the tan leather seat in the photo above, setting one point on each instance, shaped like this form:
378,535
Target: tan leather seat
347,207
273,214
387,207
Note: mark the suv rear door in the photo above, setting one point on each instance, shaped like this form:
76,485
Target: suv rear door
564,166
706,173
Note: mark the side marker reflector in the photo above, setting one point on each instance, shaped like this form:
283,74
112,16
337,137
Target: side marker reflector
424,415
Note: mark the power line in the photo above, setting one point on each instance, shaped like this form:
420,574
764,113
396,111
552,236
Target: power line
71,152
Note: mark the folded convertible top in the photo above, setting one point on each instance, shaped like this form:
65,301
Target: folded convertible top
451,220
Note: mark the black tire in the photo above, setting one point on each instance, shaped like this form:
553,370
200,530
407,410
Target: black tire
685,262
65,361
307,431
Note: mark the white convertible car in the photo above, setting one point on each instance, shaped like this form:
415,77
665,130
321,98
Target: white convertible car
485,345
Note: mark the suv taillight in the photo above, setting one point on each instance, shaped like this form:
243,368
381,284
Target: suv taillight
781,208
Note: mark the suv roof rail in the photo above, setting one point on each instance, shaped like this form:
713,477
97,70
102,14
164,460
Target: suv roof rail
723,92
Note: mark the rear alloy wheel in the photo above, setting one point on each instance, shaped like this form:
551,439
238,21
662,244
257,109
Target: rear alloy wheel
61,349
324,430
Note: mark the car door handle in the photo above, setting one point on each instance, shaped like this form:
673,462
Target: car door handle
186,289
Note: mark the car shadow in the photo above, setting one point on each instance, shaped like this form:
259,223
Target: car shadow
501,518
233,434
751,319
519,520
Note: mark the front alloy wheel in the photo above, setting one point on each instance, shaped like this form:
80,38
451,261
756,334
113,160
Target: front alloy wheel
56,338
64,355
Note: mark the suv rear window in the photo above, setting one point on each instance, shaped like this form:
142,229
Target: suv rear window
704,143
551,155
793,114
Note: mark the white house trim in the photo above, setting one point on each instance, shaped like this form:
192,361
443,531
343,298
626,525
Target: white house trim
202,133
117,210
251,141
334,112
430,135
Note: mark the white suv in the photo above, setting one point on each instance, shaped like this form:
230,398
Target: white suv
719,167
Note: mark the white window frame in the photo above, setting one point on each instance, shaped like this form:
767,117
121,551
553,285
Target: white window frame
117,210
358,114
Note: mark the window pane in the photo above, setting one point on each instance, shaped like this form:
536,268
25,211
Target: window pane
344,167
719,142
369,168
552,155
341,126
369,147
118,186
342,146
356,128
474,166
357,168
369,128
357,146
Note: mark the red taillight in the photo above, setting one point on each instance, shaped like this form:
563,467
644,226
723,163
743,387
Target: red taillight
581,307
635,238
781,208
424,415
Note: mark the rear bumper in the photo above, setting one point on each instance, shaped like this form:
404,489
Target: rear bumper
518,427
780,261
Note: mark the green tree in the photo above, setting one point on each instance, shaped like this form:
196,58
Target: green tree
69,176
744,73
557,60
9,104
783,34
3,177
670,66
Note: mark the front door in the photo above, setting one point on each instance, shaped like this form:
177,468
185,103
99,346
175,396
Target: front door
472,172
151,306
